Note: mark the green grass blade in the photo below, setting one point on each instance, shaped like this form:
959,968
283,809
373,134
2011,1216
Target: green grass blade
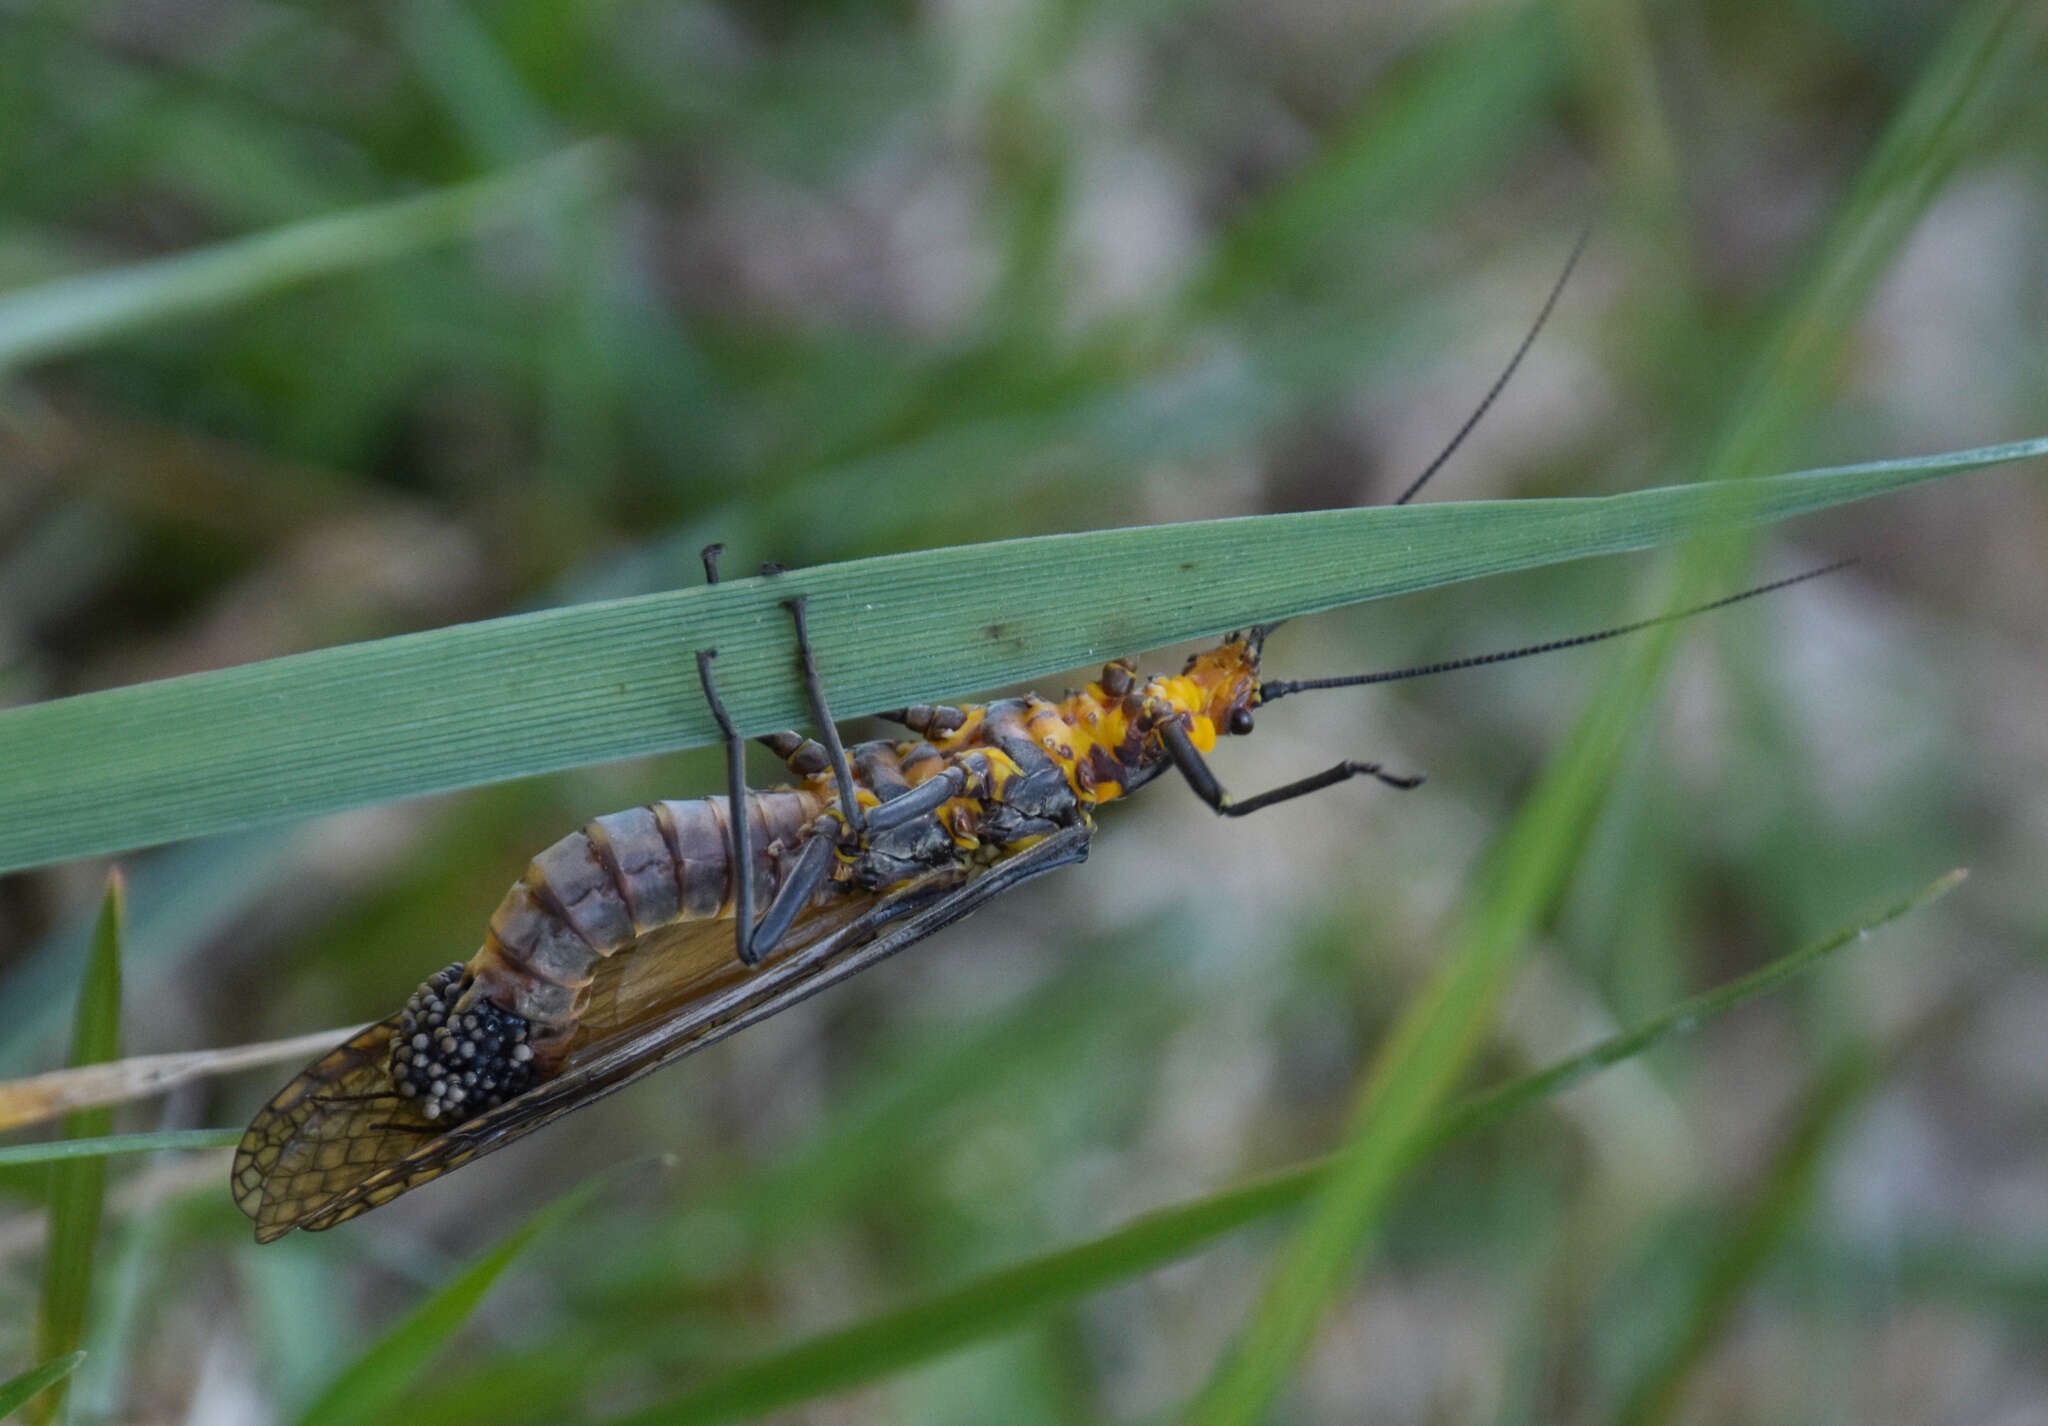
18,1391
370,1388
108,1145
1954,99
1006,1299
78,1186
454,707
54,318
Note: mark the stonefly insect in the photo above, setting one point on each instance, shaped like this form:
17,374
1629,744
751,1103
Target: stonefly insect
635,940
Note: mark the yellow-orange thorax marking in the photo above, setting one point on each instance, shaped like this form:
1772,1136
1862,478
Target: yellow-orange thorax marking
1102,738
1118,722
1106,734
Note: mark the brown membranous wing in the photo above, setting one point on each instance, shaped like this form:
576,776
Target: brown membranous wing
326,1131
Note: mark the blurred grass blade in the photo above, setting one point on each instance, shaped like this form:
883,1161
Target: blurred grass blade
43,1096
880,1117
1734,1263
54,318
473,703
1006,1299
1987,60
1423,134
103,1145
177,902
370,1388
1428,1048
78,1186
1491,1106
17,1391
1966,83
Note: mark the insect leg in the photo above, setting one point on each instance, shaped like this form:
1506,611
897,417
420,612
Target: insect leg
928,796
932,720
1202,778
812,869
736,784
842,771
793,748
806,757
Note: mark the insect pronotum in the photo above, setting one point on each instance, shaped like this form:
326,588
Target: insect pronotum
636,939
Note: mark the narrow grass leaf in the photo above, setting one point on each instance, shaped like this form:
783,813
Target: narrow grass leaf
55,318
453,707
18,1391
103,1146
371,1387
78,1186
1010,1297
1497,1104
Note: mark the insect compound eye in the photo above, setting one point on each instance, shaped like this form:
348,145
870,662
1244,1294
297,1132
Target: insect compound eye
1240,721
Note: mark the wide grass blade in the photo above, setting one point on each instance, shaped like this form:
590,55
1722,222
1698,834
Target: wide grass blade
1965,83
372,1386
17,1391
474,703
78,1186
54,318
1006,1299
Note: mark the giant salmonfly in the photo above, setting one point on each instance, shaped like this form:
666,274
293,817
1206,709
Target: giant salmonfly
635,941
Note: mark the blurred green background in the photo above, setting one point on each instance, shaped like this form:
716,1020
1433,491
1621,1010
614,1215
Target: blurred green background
830,280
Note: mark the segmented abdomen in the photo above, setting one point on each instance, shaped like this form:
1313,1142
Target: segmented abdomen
616,879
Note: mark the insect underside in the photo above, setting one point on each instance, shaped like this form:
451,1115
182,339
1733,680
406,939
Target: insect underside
634,940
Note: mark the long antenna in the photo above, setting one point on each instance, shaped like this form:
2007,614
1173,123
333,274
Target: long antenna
1501,381
1280,688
